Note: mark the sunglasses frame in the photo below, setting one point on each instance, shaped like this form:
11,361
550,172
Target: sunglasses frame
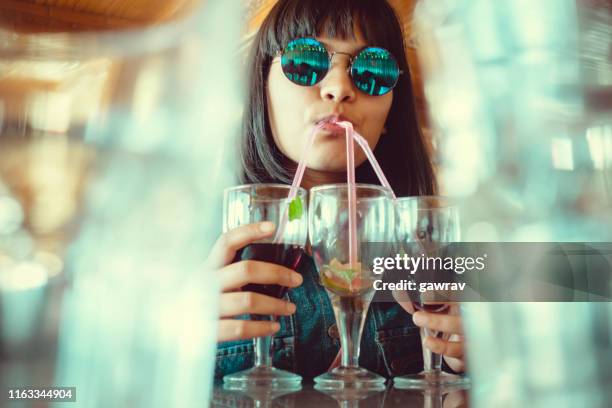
349,68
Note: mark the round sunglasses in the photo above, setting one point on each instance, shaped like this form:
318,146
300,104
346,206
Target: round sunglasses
306,61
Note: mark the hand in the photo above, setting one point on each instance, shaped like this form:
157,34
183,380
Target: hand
456,399
233,276
452,349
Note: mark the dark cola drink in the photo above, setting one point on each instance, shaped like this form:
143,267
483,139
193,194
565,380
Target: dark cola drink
287,255
431,307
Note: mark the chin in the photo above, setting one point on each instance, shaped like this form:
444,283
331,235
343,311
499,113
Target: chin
333,165
326,167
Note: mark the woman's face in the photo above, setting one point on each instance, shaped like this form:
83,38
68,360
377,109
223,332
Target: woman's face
294,110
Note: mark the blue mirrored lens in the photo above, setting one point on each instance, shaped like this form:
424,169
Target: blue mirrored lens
305,61
375,71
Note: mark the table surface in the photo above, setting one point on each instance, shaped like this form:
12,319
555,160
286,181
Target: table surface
22,372
310,397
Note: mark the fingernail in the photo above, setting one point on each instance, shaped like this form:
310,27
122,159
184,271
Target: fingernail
419,319
266,226
296,279
290,307
275,326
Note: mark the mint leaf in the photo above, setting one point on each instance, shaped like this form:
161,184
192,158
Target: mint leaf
295,209
345,274
348,274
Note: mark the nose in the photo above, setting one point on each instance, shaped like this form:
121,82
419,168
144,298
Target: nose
337,85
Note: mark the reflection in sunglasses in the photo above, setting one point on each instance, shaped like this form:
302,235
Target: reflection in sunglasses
306,61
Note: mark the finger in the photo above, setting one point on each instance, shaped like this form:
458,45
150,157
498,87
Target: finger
237,303
241,273
456,399
402,298
439,322
447,348
407,306
245,329
226,246
456,364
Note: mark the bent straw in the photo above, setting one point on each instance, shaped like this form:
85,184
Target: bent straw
299,174
363,143
297,180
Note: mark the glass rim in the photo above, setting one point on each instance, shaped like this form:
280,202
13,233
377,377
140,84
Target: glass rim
301,190
447,199
324,187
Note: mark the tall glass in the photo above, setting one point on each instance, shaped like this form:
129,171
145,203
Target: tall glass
425,226
110,168
349,284
253,203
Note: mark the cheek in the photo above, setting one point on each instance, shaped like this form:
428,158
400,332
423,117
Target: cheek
286,106
377,109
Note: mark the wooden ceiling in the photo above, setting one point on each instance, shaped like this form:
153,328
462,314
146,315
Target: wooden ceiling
33,16
71,15
258,9
87,15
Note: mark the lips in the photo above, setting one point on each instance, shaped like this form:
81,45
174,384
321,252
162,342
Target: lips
333,127
329,119
330,128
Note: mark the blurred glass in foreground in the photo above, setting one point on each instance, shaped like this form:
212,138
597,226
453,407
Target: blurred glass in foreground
521,95
111,162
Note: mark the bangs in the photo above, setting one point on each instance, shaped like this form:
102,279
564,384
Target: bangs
293,19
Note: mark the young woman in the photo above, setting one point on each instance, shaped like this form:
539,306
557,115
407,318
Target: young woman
280,115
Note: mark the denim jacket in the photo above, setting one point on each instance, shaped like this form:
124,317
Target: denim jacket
308,341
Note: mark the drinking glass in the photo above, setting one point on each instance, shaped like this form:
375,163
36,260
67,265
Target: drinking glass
253,203
256,397
349,283
110,168
426,226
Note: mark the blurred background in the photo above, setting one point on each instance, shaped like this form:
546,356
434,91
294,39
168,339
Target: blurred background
113,122
116,125
519,96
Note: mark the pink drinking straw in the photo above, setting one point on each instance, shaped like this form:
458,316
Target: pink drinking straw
363,143
297,180
352,195
350,156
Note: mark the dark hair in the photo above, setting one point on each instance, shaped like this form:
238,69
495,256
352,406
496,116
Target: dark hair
401,150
